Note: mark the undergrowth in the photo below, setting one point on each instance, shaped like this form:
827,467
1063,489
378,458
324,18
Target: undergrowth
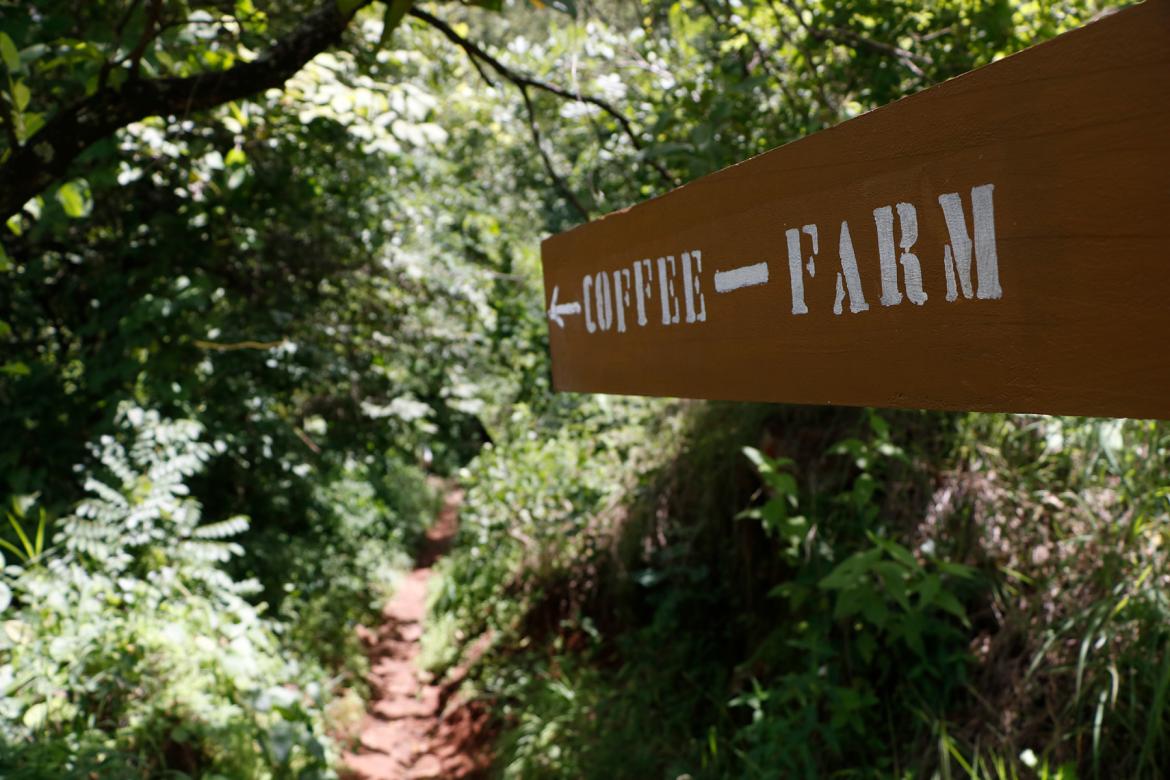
783,592
132,645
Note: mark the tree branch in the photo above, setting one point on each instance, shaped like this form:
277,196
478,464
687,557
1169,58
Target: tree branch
548,166
521,80
8,121
851,37
827,102
764,55
46,156
908,59
219,346
150,31
119,27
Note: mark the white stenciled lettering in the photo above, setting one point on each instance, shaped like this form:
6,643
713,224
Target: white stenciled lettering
642,272
621,296
911,270
795,258
852,281
957,253
613,300
666,290
586,286
604,300
558,311
884,219
696,306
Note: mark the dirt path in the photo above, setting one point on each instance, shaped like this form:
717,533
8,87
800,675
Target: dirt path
416,728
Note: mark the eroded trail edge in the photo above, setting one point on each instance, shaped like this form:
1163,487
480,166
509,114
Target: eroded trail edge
415,727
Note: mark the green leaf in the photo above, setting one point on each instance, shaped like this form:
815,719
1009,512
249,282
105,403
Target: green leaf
5,261
875,611
20,95
955,569
947,601
5,329
235,157
24,540
764,464
928,589
7,545
39,547
32,123
14,368
893,577
867,646
755,456
348,8
900,554
36,715
849,603
9,52
849,572
912,633
21,504
395,11
237,114
74,198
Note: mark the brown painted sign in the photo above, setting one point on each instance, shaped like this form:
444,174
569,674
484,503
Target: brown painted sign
999,242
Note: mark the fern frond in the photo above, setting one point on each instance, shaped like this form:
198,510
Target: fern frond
233,526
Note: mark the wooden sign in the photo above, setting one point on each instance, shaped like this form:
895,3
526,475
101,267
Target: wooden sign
999,242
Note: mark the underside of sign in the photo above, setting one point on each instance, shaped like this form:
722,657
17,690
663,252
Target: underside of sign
999,242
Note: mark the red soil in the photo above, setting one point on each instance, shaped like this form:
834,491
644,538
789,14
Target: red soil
417,728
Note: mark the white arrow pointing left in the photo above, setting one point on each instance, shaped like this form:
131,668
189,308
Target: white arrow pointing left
555,310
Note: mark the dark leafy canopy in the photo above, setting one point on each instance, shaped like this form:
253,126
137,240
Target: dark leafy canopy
115,63
252,214
76,75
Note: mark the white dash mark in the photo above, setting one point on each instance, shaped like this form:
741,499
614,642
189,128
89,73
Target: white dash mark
747,276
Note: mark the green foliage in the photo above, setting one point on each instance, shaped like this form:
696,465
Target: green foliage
890,592
338,573
29,550
529,517
74,199
1081,603
877,636
128,651
775,516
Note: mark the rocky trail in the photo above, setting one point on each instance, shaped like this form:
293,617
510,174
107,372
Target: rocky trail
417,728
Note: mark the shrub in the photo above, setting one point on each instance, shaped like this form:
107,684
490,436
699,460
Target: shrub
128,651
